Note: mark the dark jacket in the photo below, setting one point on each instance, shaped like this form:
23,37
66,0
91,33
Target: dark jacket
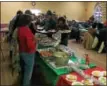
48,24
12,26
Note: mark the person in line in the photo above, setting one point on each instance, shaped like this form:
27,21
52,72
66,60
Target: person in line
34,21
11,38
27,49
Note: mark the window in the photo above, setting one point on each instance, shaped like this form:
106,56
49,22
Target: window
98,12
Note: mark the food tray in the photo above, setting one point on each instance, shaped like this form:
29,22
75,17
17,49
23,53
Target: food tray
66,49
65,31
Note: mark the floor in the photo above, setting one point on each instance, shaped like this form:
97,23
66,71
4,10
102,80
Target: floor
8,79
98,59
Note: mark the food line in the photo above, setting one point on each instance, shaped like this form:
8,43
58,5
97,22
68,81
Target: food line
46,57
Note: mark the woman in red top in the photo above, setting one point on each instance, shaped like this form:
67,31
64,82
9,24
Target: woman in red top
27,46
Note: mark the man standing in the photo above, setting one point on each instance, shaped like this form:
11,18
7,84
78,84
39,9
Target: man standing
12,27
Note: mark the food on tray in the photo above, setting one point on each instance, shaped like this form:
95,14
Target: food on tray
105,73
46,53
60,54
43,31
71,78
51,31
97,73
103,80
77,83
45,40
61,58
87,82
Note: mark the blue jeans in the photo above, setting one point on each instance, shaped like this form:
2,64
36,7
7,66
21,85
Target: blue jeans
27,64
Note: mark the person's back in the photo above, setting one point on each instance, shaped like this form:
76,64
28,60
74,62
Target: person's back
13,23
25,36
27,45
10,38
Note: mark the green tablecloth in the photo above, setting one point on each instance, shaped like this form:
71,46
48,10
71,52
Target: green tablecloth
49,71
51,74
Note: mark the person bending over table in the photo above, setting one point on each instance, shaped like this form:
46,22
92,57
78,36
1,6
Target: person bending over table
27,44
62,26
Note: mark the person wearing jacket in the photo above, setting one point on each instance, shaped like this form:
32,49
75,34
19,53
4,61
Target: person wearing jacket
10,37
27,49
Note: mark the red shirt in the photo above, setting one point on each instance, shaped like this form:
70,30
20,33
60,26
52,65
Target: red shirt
26,39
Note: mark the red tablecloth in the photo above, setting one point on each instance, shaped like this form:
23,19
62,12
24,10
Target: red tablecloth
63,82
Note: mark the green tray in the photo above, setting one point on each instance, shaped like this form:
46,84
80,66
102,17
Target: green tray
92,65
74,59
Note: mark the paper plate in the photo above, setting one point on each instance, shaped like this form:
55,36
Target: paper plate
97,73
77,84
88,82
103,80
71,78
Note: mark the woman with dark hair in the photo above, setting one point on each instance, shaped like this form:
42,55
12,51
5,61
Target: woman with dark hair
32,24
27,45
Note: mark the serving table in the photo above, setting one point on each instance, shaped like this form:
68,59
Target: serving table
64,82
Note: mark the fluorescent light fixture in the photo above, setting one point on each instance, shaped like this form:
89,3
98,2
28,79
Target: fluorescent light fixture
35,11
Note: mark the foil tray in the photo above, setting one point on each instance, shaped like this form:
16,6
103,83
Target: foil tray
57,67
